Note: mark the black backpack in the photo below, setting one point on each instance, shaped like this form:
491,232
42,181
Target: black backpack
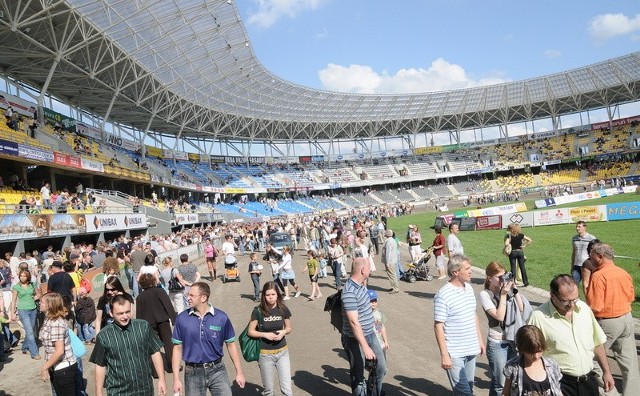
333,305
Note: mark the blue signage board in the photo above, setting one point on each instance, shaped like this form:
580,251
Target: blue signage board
623,211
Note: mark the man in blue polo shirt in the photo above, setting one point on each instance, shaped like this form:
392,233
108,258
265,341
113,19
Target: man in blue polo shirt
198,337
358,334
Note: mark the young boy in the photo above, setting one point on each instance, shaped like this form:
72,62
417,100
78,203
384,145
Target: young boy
255,270
85,316
314,269
323,265
378,321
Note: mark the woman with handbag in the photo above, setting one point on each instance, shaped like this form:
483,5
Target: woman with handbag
270,322
514,243
60,364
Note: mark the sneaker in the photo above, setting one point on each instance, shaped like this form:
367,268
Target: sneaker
298,294
287,298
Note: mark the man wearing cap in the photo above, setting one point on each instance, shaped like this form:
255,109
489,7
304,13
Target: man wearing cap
358,333
389,258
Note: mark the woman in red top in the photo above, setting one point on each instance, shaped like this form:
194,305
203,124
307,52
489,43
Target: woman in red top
439,250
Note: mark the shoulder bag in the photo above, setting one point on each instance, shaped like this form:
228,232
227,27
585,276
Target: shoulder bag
250,347
78,347
174,284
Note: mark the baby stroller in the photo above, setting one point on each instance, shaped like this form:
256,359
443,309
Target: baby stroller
419,271
231,271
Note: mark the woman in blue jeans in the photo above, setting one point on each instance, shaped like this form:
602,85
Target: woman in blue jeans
24,299
270,322
494,300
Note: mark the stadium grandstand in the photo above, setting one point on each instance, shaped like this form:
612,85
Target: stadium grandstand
111,101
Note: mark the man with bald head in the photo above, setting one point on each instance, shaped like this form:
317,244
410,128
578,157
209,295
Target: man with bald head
358,334
610,294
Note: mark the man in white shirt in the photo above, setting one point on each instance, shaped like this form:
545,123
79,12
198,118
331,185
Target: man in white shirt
45,193
453,243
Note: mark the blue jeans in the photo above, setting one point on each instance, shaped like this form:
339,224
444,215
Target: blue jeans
462,374
272,364
498,353
399,271
28,319
86,331
355,356
8,335
576,273
261,244
198,379
337,273
256,285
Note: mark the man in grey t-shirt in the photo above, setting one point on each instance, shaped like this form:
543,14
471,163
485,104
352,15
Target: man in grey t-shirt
358,335
579,254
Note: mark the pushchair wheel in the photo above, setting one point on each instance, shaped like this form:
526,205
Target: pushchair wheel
412,279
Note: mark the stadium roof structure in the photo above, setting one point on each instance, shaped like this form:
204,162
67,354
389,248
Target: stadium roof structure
186,68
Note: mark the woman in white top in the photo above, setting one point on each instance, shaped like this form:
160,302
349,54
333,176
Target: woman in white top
287,274
149,267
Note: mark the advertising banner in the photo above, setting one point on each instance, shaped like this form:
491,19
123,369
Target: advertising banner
489,222
8,148
466,223
34,153
89,131
623,211
427,150
545,203
91,165
17,226
54,117
186,218
118,141
115,222
153,151
67,224
525,219
217,159
588,213
18,105
204,158
497,210
551,217
180,155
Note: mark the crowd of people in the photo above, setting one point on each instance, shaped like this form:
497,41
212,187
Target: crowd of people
529,350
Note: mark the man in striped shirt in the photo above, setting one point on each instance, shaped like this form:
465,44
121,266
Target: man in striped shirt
122,354
358,334
456,326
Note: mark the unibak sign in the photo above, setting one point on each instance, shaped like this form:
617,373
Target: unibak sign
115,222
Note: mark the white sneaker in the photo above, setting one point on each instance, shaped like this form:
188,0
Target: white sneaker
287,298
298,294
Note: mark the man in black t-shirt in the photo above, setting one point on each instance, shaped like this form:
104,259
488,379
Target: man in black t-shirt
61,282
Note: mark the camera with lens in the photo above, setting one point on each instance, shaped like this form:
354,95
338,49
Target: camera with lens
507,277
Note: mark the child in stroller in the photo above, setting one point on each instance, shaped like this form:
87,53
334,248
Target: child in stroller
419,271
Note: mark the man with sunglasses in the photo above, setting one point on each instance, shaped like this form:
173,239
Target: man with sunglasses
573,338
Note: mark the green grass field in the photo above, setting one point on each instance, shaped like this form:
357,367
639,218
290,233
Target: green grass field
550,252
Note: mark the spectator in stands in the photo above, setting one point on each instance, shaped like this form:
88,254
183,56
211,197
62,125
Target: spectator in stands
62,201
45,193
